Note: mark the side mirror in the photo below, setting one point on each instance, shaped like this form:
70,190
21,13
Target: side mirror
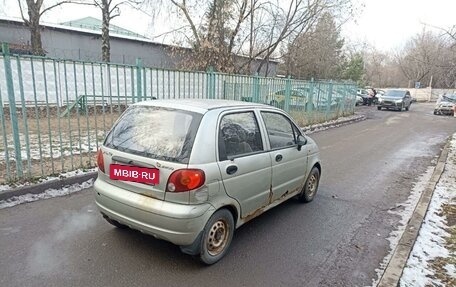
301,141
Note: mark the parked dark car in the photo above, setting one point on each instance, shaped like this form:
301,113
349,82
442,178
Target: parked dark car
395,99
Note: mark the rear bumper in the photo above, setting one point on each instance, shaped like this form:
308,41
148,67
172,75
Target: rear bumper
177,223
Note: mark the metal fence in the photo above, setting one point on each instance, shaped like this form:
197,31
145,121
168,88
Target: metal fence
55,113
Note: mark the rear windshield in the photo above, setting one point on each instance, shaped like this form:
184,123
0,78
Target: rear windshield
155,132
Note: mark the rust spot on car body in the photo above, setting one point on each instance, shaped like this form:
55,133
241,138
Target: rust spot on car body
270,194
262,209
254,214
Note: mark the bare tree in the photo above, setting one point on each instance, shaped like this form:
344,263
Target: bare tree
109,10
285,23
35,9
421,58
256,28
317,53
214,39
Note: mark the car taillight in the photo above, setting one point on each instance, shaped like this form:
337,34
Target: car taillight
100,160
185,179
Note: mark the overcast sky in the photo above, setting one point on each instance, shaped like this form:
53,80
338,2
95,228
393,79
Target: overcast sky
383,24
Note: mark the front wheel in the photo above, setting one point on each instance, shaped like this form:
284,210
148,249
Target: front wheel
379,108
217,236
310,186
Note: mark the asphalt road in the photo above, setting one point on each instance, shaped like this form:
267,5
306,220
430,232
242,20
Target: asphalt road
337,240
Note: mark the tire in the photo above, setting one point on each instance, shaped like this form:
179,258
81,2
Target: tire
217,237
435,112
310,188
115,223
379,108
407,108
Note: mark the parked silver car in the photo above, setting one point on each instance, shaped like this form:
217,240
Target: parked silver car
395,99
445,105
192,171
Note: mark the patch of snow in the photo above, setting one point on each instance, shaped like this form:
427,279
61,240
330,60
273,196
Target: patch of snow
431,240
4,187
451,270
43,146
331,124
49,193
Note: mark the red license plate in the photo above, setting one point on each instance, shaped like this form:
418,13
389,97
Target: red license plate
134,173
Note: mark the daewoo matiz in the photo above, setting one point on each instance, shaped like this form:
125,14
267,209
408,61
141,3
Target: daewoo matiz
192,171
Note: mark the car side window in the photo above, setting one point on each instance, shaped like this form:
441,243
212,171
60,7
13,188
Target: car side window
239,134
281,131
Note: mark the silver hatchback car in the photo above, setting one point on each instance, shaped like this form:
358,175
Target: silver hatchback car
192,171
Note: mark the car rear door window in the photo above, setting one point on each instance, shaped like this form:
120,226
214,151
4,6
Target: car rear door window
281,132
239,134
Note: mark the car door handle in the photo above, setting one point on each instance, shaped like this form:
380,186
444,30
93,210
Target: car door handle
278,158
231,169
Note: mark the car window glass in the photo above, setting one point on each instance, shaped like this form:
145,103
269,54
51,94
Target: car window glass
239,134
155,132
280,130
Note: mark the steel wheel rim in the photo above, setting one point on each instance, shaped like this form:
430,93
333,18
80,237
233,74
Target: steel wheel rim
312,185
217,238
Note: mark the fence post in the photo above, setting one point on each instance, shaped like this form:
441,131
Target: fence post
210,88
139,66
12,106
310,102
287,94
256,88
329,99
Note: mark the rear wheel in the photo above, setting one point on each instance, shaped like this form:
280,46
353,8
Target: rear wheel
217,236
310,186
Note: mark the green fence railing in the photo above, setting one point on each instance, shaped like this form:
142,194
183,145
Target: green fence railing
55,113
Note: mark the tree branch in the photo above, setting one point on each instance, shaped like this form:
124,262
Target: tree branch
66,2
183,8
27,22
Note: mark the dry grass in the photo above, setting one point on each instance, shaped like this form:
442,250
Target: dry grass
56,144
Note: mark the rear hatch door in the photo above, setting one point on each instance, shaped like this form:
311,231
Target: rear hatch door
146,145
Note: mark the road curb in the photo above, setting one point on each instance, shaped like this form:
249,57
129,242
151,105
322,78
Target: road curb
332,124
393,272
43,186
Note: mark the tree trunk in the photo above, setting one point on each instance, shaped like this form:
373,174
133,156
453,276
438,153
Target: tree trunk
33,24
35,39
105,43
